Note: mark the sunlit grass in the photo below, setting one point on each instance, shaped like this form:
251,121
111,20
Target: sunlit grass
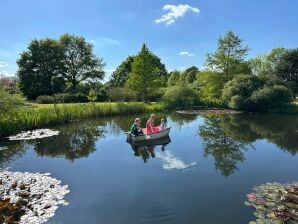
44,115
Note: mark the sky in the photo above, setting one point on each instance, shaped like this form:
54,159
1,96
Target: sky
180,32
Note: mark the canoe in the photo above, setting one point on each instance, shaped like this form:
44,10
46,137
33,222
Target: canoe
150,137
162,141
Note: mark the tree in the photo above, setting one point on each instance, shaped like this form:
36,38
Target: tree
41,68
229,55
79,61
189,75
287,68
210,86
120,75
146,76
267,64
174,78
92,96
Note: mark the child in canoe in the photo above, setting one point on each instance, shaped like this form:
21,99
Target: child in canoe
136,127
150,129
163,124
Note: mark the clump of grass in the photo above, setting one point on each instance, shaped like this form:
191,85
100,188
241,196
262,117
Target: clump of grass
39,116
286,109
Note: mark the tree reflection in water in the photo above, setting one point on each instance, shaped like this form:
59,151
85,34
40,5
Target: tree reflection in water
226,137
10,150
226,151
76,140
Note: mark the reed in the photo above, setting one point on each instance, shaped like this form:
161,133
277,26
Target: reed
26,118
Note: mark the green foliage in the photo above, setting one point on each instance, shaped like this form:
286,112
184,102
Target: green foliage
45,99
249,92
189,75
179,96
146,76
120,75
46,115
9,102
174,78
210,87
62,98
121,95
287,68
79,61
267,64
229,55
92,96
40,68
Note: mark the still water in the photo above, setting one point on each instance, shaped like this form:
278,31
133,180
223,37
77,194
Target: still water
200,175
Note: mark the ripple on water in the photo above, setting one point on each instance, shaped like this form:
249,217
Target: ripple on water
155,205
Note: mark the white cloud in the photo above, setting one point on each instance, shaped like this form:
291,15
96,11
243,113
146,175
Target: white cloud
175,11
3,64
186,53
104,41
170,162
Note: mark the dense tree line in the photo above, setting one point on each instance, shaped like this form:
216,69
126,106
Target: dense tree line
66,70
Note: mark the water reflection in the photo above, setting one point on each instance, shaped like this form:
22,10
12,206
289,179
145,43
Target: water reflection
145,150
227,137
9,151
74,141
226,151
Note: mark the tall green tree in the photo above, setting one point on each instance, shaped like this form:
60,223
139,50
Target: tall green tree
80,63
189,75
146,76
41,68
120,75
267,64
287,68
174,78
229,56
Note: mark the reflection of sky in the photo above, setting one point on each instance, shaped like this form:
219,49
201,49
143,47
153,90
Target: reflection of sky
170,162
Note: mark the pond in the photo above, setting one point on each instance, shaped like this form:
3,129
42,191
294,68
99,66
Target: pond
201,174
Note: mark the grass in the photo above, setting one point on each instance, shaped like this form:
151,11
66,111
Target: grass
287,109
44,115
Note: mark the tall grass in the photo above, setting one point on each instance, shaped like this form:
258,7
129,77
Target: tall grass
47,115
286,109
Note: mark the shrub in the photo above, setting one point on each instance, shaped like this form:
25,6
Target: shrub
248,92
9,101
62,98
119,94
177,96
45,99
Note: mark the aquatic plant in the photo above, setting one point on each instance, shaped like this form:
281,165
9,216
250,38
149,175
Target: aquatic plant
274,203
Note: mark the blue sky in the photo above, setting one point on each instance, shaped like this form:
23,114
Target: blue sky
179,32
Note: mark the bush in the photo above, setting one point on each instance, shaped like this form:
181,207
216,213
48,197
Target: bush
177,96
248,92
121,95
9,101
45,99
62,98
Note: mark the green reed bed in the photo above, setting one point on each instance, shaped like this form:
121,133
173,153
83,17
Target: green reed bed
47,115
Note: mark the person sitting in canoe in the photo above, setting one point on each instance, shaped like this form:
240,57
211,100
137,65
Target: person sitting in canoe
163,124
150,129
136,127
